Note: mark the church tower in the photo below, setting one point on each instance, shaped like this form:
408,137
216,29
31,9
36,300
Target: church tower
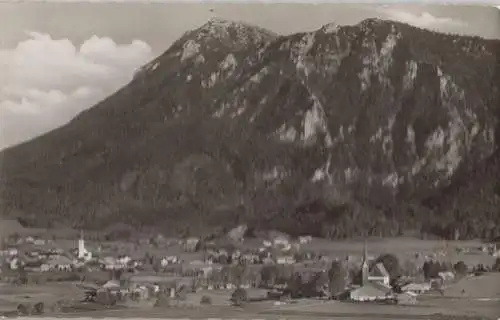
81,246
365,268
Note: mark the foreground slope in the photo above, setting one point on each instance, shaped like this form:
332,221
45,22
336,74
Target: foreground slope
374,128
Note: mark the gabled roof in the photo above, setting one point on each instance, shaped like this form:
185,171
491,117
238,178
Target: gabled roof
371,290
379,270
61,260
112,284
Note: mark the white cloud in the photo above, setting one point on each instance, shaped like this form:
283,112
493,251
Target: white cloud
422,20
45,82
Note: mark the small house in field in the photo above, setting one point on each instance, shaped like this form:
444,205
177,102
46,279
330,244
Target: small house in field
305,239
417,288
285,259
446,276
112,285
57,263
191,244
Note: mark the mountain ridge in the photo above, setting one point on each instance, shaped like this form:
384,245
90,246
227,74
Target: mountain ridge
363,120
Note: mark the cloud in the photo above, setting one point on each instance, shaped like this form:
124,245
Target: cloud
422,20
45,82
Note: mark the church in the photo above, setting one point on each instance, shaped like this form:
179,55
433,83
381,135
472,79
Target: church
83,253
374,282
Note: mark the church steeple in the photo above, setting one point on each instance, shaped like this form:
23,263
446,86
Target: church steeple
365,268
365,251
81,246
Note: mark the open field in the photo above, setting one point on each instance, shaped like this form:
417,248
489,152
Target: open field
405,248
475,303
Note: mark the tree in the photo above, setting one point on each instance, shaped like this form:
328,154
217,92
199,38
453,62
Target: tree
22,275
391,264
38,308
496,265
295,286
460,268
237,274
269,274
432,269
115,274
336,279
206,300
23,310
239,297
105,297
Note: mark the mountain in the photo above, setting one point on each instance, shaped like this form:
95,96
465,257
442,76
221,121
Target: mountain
376,128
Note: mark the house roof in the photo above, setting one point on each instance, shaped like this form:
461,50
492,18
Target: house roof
379,270
111,284
414,286
371,290
61,260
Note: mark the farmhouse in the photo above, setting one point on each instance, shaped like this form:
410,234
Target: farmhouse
417,288
60,263
286,259
305,239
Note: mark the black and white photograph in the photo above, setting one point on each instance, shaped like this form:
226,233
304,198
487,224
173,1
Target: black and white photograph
249,160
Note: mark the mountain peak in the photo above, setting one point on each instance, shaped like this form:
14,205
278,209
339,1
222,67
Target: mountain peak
233,33
299,136
329,27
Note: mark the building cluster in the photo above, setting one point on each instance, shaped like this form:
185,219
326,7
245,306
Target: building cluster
275,265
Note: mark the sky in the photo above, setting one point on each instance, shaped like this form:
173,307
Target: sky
57,59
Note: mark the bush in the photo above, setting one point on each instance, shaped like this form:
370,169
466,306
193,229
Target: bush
23,309
460,268
239,296
206,300
162,301
38,308
496,265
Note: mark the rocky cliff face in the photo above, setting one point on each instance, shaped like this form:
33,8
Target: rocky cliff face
342,131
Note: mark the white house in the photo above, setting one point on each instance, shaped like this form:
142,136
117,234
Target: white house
267,243
165,261
305,239
286,247
417,288
124,260
39,242
285,260
60,263
446,275
191,244
280,241
14,263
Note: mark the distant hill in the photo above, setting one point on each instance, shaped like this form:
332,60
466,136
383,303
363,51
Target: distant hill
370,129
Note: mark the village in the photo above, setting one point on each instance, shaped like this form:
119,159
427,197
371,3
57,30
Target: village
232,271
